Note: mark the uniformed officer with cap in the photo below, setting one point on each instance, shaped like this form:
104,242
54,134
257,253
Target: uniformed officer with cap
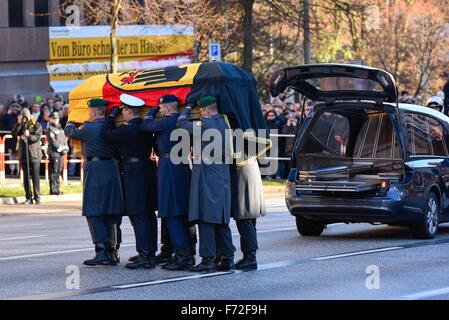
102,192
57,148
210,189
173,179
139,177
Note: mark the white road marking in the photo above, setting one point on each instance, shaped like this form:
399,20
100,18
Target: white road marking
20,238
357,253
198,276
20,225
51,253
276,230
426,294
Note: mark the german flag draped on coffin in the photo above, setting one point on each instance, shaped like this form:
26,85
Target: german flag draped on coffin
234,88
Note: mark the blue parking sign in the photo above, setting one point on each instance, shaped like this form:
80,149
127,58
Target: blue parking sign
214,52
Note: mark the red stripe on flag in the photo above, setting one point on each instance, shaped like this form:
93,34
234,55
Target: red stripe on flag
151,97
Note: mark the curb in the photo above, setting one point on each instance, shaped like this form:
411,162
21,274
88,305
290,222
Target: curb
44,198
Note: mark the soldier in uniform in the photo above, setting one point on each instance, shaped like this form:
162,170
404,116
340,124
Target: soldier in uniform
57,147
102,192
247,204
210,189
173,198
30,152
139,177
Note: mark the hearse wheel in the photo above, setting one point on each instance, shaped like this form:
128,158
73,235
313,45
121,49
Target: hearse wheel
309,228
427,226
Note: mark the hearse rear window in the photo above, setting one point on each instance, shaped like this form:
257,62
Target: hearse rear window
344,83
369,133
329,134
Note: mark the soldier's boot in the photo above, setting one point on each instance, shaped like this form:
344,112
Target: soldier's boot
183,261
102,256
163,257
145,260
114,254
248,262
207,265
226,263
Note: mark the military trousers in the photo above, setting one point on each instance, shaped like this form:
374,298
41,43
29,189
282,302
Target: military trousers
103,229
56,165
142,232
167,247
215,238
248,235
178,231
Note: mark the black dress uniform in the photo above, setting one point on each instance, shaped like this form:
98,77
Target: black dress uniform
173,183
210,194
56,149
139,179
246,206
30,153
102,191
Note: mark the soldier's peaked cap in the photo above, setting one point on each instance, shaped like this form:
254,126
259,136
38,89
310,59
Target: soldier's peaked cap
168,98
206,101
97,103
131,101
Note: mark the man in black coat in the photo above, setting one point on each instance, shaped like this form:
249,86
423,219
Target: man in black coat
30,152
139,177
102,192
57,148
210,188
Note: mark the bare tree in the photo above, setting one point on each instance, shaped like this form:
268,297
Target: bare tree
411,44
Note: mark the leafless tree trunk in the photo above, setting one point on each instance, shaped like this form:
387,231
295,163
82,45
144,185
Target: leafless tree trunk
247,34
306,41
114,25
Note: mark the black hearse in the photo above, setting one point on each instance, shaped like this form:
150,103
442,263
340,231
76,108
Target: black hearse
363,157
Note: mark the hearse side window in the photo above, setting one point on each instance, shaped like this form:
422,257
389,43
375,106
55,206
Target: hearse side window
328,135
418,137
377,139
438,138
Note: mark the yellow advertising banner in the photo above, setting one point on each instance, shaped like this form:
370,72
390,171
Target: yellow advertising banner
77,53
138,46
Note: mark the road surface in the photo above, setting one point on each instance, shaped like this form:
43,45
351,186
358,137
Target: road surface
358,261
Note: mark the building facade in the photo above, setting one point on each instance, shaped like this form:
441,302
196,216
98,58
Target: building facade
24,48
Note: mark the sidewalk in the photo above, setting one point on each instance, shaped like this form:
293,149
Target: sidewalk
19,196
15,181
71,203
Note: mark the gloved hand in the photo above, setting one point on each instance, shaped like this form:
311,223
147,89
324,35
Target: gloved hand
153,111
188,109
115,111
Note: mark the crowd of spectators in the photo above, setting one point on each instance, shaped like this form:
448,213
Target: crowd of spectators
41,108
284,117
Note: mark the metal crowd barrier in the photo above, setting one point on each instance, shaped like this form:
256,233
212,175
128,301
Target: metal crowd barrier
280,135
67,161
